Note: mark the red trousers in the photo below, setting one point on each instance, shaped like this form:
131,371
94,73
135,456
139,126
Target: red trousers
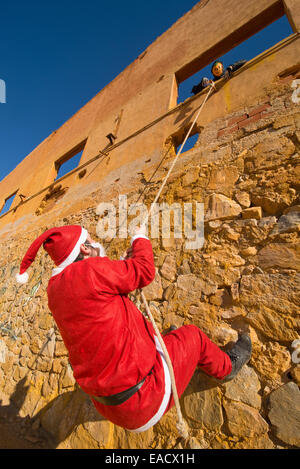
190,348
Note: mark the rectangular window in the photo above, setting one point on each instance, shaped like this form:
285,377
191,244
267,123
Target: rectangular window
176,140
189,144
70,161
247,50
7,204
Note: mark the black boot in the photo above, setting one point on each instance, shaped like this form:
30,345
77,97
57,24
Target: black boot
239,355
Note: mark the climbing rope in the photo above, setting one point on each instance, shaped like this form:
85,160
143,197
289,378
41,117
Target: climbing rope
182,426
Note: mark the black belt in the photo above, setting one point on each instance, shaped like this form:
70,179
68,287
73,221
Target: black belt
120,397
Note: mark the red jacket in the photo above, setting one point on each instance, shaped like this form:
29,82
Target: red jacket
111,345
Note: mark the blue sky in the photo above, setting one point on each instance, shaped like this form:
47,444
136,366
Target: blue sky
55,56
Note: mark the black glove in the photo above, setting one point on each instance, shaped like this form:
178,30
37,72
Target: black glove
232,68
228,72
203,84
197,88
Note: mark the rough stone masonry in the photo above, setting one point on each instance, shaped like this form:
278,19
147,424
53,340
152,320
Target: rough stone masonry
246,277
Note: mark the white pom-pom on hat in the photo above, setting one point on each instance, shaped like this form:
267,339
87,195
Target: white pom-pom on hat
22,278
61,243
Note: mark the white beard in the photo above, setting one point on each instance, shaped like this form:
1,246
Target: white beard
101,248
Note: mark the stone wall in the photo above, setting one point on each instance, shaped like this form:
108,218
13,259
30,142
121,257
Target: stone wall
245,169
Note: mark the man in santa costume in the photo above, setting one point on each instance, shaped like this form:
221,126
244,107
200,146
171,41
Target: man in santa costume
115,355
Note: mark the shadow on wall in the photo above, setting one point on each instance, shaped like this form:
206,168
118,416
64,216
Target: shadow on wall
51,425
64,414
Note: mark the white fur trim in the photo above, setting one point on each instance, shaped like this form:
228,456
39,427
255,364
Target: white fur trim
166,397
72,256
22,278
101,248
102,251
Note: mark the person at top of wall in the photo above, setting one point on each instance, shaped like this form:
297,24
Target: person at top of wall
218,72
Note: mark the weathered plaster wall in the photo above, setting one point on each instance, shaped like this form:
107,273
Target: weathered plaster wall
143,91
245,168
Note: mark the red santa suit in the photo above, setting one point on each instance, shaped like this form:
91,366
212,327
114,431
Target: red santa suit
111,345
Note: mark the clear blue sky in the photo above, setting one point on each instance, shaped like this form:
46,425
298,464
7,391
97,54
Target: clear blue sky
55,56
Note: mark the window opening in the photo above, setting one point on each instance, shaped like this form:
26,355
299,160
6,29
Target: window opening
247,50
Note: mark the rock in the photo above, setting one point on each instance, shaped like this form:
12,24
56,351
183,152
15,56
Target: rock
194,285
283,121
169,292
200,318
269,153
267,222
271,202
257,442
154,291
284,413
196,444
36,345
244,388
244,421
60,349
43,364
120,438
232,235
215,224
223,274
169,243
56,365
271,360
221,298
3,351
221,207
284,255
204,407
172,319
250,251
224,334
272,304
184,268
61,416
169,268
249,269
234,290
223,179
252,212
227,256
182,193
288,222
49,347
232,313
68,378
295,372
190,177
293,208
242,198
100,431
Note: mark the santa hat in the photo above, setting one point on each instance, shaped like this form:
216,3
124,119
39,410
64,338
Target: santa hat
62,244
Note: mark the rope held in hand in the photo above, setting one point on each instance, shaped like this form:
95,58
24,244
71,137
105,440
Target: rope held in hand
182,426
